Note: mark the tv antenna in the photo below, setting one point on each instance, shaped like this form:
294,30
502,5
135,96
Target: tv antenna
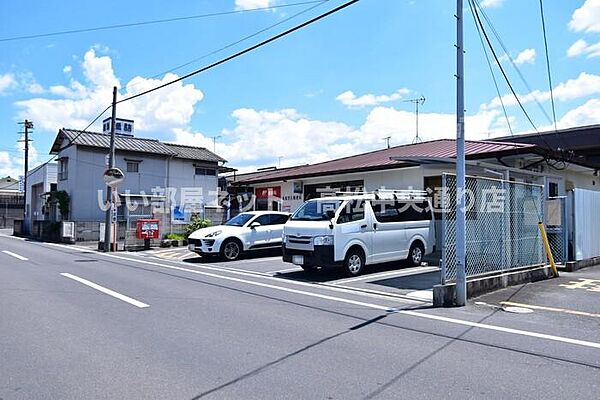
417,102
387,139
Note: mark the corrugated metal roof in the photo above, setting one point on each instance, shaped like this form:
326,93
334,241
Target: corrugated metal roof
132,144
381,159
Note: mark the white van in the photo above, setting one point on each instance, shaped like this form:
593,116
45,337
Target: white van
354,230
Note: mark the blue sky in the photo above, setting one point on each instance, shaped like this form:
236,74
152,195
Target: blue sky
333,89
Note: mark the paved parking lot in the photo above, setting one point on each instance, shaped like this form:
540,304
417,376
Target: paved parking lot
390,279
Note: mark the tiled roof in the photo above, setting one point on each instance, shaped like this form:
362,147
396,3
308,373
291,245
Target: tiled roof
382,159
194,153
131,143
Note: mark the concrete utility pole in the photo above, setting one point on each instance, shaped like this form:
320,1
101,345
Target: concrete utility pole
461,280
27,125
111,164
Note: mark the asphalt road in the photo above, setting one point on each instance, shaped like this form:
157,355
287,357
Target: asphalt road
76,324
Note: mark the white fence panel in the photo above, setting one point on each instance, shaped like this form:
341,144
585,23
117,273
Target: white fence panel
586,210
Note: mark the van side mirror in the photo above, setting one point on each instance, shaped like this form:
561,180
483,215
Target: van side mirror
330,214
254,225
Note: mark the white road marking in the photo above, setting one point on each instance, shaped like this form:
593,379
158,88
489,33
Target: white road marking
262,259
395,273
502,329
283,271
377,306
425,295
15,255
104,290
12,237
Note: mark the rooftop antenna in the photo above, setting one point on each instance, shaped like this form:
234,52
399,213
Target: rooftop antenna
214,138
387,139
417,102
279,161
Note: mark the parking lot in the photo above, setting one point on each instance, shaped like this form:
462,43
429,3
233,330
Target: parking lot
395,279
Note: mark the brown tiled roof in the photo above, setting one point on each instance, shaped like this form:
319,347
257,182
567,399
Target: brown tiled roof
382,159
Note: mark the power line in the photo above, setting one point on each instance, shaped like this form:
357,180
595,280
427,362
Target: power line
156,21
242,52
487,57
548,63
489,43
243,39
510,59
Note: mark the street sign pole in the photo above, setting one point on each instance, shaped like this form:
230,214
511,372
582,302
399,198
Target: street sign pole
461,281
111,164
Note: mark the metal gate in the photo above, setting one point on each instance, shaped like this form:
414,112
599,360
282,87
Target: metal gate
501,225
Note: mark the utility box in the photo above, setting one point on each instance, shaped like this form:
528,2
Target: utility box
147,229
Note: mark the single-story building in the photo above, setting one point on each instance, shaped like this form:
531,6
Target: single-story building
421,166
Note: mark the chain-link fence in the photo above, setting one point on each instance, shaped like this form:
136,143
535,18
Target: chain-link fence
501,225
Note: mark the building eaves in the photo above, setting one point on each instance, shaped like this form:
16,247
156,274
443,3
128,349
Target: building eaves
383,159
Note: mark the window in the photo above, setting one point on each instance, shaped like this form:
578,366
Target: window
278,219
63,169
118,126
552,189
127,127
205,171
394,211
353,211
133,166
263,219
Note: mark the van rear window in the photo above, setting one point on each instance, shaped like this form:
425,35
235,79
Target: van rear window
395,211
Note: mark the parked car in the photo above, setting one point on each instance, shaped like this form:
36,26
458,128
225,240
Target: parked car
245,232
352,231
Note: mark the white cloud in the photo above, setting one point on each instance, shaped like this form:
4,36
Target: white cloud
260,137
349,99
159,112
251,4
584,85
526,56
586,114
7,82
587,17
581,47
491,3
67,69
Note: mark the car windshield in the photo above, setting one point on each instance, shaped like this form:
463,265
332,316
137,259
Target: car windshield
316,210
240,219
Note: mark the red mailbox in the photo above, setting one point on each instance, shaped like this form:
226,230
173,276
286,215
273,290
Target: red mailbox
147,229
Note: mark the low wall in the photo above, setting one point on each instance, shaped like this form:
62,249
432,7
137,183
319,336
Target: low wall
445,295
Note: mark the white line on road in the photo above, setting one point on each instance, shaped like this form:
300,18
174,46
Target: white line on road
283,271
104,290
15,255
377,306
395,274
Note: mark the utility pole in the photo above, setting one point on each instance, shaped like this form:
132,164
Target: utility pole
111,164
27,125
417,102
387,139
461,279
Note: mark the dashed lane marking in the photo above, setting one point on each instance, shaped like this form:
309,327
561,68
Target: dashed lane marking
15,255
107,291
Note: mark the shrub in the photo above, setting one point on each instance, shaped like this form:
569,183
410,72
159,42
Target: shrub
175,236
195,224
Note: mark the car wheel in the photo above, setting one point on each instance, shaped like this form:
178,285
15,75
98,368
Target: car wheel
231,250
415,254
354,262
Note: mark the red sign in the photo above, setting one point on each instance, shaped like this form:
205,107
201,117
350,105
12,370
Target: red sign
147,229
268,192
